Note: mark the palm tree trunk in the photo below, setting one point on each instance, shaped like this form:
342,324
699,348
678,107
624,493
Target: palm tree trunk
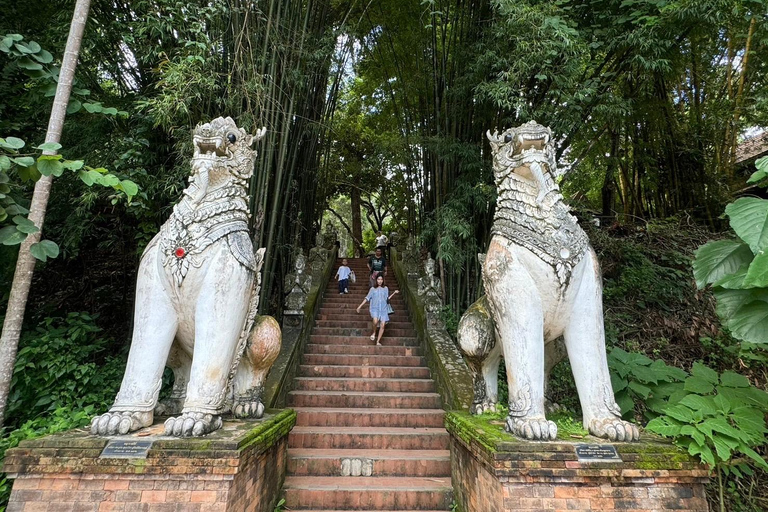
25,265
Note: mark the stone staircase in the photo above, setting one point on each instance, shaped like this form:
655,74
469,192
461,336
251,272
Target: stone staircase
369,433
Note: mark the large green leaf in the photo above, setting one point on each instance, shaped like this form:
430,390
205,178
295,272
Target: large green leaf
705,404
729,301
664,426
44,249
50,165
757,275
704,372
715,260
9,235
750,322
749,219
734,281
733,380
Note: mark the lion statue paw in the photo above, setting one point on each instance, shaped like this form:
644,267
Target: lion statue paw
192,424
120,423
535,429
614,429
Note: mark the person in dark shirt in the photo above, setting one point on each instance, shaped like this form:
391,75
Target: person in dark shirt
377,264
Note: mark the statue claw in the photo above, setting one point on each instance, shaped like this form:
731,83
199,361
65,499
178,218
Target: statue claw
535,429
192,424
483,407
120,422
252,409
614,429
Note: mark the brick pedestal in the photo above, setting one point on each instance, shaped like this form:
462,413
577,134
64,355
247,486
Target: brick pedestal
495,472
240,467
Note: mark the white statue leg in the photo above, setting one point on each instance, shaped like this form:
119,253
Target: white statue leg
585,341
262,350
490,370
220,312
154,327
180,362
519,320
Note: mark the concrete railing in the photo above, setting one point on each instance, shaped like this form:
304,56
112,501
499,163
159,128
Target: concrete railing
451,374
297,327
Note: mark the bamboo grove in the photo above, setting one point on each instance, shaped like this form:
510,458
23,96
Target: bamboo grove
386,104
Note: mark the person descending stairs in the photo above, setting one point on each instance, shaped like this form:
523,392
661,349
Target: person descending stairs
369,433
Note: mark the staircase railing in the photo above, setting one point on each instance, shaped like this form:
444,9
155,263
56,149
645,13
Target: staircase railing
451,373
297,327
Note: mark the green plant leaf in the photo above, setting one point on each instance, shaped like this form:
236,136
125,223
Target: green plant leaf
643,391
690,430
752,454
664,426
43,56
698,385
25,225
704,372
757,274
715,260
705,404
757,176
750,322
703,451
749,219
730,301
733,281
50,165
44,249
72,165
49,146
9,235
129,187
750,420
733,380
11,143
24,161
74,105
29,173
683,413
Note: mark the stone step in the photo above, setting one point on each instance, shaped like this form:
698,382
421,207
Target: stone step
368,493
324,339
347,360
362,331
346,399
335,298
374,438
341,316
358,417
355,321
366,372
353,463
371,349
364,385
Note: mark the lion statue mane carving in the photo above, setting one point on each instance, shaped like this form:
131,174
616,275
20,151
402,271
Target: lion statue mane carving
542,282
197,295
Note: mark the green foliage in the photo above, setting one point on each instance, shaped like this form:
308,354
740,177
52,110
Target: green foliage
717,417
62,363
24,167
738,269
637,378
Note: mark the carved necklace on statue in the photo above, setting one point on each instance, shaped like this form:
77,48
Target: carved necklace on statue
190,230
540,223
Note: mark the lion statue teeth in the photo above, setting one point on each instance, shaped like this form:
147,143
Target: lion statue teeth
542,282
197,297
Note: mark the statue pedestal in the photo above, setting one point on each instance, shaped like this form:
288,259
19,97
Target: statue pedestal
239,467
496,472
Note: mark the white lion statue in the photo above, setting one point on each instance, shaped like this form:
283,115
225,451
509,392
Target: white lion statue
542,281
197,296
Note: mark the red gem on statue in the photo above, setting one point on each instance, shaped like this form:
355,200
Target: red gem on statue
180,252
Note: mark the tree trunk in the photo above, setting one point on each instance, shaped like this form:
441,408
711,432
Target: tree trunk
357,222
25,265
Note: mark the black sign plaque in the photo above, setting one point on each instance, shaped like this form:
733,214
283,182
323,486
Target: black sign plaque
597,453
126,449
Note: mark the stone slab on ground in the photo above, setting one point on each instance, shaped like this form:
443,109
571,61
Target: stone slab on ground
496,472
240,467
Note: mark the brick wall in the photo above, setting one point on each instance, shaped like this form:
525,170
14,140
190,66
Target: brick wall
241,467
497,476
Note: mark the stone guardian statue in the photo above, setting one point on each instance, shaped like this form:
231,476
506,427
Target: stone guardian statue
197,294
542,281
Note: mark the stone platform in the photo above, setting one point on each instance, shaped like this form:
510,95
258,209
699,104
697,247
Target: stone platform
493,471
240,467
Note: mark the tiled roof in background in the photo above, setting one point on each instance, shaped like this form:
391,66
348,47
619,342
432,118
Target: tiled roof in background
752,148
